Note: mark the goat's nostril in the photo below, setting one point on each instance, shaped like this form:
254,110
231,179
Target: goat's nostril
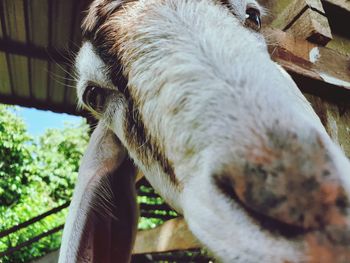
226,186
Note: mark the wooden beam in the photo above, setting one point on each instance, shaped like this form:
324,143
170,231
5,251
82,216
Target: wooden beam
41,105
335,116
344,4
139,176
32,51
171,236
290,13
305,19
307,59
337,17
312,26
38,36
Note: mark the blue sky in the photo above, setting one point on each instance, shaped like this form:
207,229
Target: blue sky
38,121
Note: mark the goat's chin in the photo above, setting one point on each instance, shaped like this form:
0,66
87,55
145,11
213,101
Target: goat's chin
236,233
226,229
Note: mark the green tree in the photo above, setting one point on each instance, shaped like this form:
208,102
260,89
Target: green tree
15,157
38,175
58,156
35,176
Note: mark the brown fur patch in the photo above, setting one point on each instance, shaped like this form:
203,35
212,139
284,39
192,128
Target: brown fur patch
99,11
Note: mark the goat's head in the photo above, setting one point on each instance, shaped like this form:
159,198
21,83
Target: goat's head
187,89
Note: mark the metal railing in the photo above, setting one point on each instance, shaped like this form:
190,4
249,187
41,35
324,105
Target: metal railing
27,223
159,211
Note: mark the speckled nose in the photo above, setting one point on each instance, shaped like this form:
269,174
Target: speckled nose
295,182
292,179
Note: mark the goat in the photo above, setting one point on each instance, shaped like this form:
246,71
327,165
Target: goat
186,89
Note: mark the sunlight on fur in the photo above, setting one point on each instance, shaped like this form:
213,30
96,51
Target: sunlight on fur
188,92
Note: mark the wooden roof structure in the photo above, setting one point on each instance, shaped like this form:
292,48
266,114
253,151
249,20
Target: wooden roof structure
37,41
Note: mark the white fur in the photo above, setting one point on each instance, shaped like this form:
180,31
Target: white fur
207,89
90,68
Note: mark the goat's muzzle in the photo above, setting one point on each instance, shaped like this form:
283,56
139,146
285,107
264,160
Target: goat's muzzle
292,187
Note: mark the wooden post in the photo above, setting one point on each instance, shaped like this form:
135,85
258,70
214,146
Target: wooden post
344,4
305,19
172,235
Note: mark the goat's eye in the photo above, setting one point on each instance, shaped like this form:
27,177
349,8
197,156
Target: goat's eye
95,98
253,19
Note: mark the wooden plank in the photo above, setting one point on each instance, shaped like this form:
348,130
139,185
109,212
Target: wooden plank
29,50
70,84
278,9
307,59
274,9
305,19
15,29
315,4
20,77
339,18
14,20
57,83
27,29
74,40
5,85
61,23
171,236
38,12
340,44
39,22
345,4
51,257
71,98
41,105
335,116
341,41
291,11
1,33
39,79
312,26
76,34
139,176
60,28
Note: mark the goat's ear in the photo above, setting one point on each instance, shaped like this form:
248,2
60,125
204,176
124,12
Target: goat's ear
101,223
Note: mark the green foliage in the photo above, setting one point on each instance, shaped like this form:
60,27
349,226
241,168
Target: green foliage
155,216
57,157
34,202
15,157
35,176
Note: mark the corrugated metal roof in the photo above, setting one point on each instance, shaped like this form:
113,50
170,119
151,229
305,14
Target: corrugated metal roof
37,38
